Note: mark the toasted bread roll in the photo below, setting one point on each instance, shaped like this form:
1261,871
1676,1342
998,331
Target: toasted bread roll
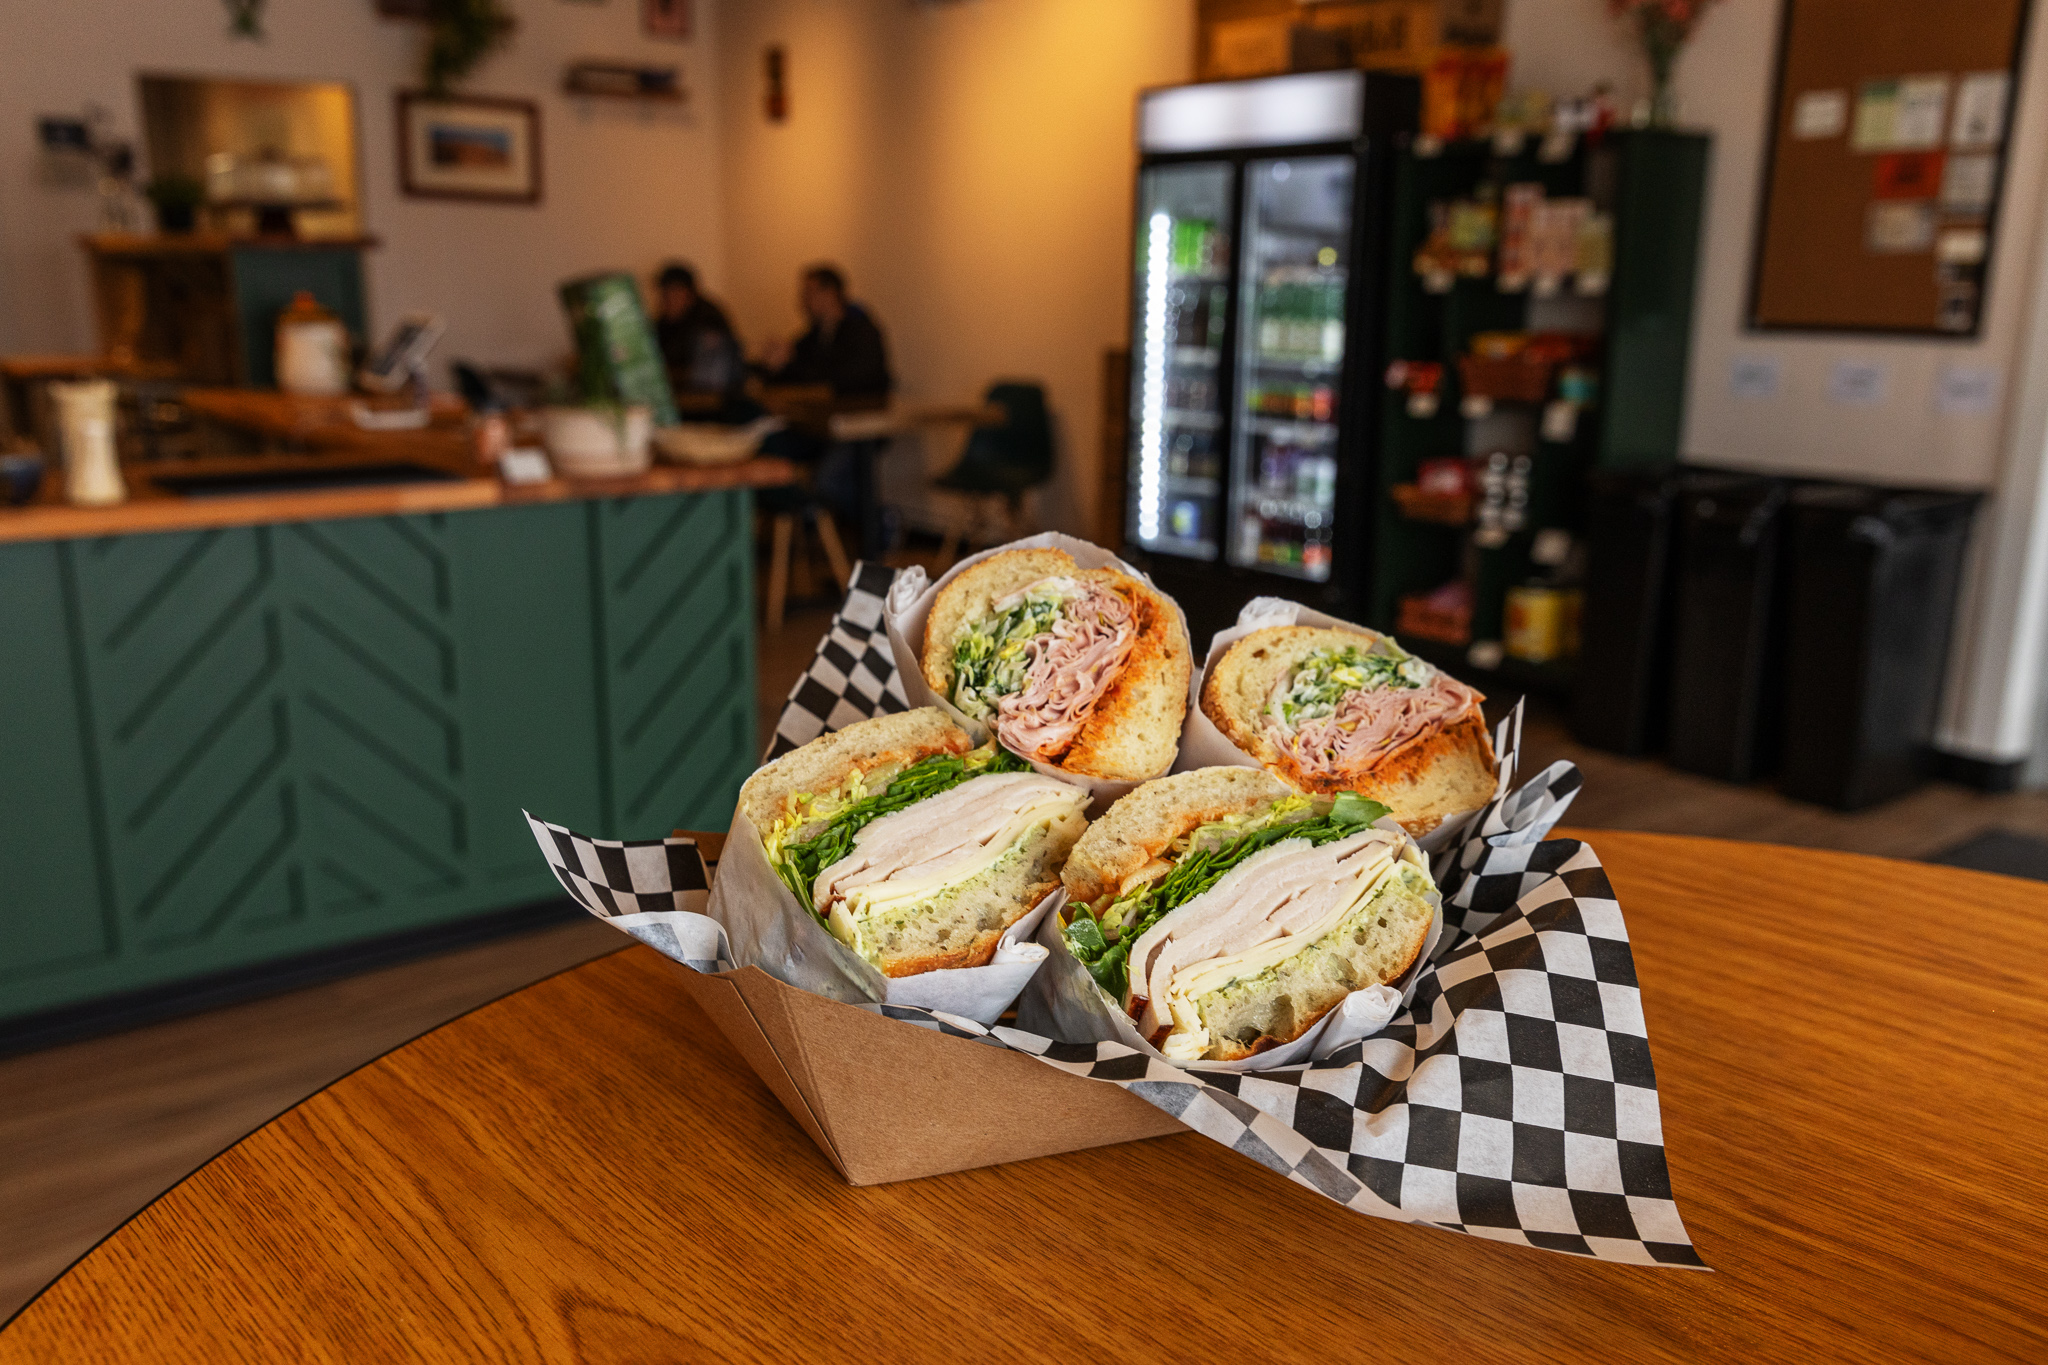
1434,759
878,748
1228,913
1093,681
915,850
1135,832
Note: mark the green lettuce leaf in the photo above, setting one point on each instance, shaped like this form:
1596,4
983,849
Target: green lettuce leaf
989,659
1103,945
799,864
1320,681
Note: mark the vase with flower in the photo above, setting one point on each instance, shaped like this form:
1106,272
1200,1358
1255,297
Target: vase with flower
1663,27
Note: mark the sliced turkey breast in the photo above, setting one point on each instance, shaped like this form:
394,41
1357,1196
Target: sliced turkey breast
948,837
1291,890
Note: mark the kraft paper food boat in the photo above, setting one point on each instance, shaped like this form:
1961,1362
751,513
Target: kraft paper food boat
885,1102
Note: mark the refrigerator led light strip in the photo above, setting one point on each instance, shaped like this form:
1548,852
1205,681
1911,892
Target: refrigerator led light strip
1151,441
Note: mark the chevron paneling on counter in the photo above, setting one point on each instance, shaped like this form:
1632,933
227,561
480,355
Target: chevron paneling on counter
235,747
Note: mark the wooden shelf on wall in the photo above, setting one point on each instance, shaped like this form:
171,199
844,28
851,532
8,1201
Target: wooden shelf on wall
634,96
613,80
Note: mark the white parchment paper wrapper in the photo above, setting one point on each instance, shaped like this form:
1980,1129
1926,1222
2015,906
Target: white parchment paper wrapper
910,606
1064,1002
1202,745
770,930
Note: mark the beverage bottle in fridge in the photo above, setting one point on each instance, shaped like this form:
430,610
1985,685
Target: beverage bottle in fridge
1271,324
1249,536
1330,342
1306,331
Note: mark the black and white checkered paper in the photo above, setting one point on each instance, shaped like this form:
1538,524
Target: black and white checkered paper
852,676
1515,1100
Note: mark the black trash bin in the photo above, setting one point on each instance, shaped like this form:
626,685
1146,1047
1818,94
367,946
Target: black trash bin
1874,575
1624,674
1727,652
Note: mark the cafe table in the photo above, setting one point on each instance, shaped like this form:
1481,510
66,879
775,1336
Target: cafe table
865,426
1850,1053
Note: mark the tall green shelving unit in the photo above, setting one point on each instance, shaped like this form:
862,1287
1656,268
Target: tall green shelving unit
1653,183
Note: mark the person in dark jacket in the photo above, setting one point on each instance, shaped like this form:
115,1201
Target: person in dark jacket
843,346
696,337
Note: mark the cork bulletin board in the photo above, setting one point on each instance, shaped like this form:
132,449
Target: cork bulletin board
1890,125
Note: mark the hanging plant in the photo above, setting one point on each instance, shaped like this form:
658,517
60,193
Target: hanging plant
460,33
245,19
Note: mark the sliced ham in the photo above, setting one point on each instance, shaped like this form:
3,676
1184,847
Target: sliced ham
952,830
1282,891
1070,667
1369,725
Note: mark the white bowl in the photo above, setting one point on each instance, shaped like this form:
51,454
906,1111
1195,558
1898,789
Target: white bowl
711,443
597,443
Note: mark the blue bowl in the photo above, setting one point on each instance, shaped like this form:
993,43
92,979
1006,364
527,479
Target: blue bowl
20,477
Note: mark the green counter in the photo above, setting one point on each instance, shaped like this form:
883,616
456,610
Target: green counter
229,748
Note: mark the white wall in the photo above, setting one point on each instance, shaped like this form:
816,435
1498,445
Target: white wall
971,167
624,187
1724,86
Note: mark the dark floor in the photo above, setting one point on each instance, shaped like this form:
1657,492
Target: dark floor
91,1131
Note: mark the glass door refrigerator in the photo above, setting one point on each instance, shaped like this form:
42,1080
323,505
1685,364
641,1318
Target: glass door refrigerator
1260,268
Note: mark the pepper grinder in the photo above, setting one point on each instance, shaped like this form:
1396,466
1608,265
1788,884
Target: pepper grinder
85,426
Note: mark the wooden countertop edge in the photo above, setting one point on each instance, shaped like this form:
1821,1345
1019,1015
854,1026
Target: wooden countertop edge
144,515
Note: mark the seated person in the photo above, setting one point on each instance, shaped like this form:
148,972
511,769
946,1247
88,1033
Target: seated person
842,348
696,338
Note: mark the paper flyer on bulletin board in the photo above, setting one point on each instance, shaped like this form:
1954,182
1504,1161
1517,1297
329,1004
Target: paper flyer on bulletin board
1892,120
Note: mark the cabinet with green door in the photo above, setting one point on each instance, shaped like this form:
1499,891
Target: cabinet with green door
1625,319
237,747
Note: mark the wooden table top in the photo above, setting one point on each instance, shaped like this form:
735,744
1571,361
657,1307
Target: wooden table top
861,419
1850,1055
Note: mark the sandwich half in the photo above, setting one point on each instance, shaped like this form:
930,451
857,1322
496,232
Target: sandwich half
1350,710
1083,669
1227,913
914,848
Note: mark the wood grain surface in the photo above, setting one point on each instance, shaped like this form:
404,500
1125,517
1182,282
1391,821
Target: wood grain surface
1850,1053
150,508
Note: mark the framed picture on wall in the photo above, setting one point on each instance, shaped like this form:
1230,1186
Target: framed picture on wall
469,147
666,19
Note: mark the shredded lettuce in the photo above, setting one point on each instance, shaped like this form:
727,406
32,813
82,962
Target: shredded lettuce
848,808
1320,681
989,658
1102,942
1217,833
